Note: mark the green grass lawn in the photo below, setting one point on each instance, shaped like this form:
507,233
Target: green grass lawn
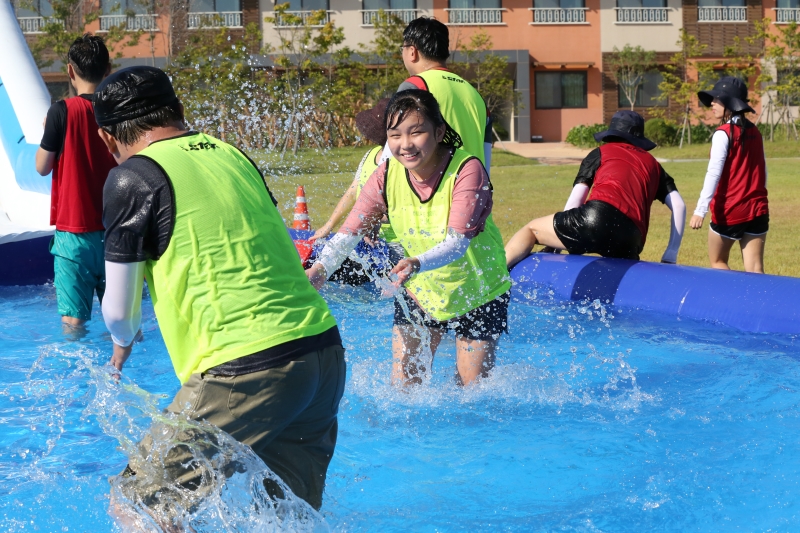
524,190
778,148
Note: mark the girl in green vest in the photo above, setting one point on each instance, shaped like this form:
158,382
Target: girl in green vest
438,200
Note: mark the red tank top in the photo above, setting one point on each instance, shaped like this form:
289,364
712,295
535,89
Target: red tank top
627,179
741,194
76,198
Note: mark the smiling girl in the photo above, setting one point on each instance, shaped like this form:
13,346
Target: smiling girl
735,187
438,200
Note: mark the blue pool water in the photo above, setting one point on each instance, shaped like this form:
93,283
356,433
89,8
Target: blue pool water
595,419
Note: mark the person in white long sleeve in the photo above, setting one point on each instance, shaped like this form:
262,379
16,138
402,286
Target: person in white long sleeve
735,187
624,181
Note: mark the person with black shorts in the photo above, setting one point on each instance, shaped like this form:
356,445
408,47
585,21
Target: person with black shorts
735,186
624,180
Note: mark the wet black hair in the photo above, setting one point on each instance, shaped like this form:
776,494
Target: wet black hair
89,58
129,131
423,102
430,37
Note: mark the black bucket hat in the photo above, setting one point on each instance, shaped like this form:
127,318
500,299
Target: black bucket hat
731,91
372,124
628,126
130,93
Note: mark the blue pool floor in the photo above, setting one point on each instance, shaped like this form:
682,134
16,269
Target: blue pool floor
595,419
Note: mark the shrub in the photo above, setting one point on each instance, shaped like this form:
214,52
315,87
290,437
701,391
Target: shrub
660,132
583,136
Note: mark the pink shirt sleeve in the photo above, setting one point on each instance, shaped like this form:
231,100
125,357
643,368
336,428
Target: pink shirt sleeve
370,205
472,200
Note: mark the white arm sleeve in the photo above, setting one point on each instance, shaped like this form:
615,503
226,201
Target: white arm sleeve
577,197
336,251
487,156
122,302
452,248
719,152
676,204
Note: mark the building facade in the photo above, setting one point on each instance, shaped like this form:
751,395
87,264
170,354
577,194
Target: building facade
558,50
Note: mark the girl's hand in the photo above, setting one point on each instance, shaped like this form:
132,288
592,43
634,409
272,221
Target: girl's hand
696,222
404,269
322,232
317,275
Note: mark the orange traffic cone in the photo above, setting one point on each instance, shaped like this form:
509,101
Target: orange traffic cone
301,211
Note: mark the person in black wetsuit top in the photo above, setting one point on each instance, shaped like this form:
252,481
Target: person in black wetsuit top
625,180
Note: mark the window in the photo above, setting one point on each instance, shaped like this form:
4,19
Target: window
389,4
641,3
214,6
474,4
558,4
788,4
308,5
118,7
33,8
721,3
560,90
646,94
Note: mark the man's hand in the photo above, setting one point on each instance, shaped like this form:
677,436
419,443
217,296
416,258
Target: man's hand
120,355
317,275
404,269
696,222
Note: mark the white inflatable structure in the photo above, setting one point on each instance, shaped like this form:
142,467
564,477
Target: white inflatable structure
24,194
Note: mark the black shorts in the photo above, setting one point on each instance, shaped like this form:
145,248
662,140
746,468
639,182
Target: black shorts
598,228
482,323
757,226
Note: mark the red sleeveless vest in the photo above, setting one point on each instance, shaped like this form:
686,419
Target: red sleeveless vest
76,197
741,194
627,179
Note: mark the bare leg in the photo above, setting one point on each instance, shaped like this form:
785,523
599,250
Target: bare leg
73,326
474,359
537,231
407,348
719,250
753,252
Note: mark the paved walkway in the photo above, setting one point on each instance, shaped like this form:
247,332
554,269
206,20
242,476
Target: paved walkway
546,153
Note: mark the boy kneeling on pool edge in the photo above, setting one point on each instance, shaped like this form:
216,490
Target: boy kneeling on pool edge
625,180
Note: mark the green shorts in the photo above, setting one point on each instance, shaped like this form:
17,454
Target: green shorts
287,415
79,271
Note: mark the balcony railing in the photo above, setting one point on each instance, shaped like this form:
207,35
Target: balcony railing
642,15
146,22
369,16
281,22
35,24
557,15
722,14
214,19
785,15
472,17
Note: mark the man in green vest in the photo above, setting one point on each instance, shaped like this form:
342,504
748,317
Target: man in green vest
426,47
253,344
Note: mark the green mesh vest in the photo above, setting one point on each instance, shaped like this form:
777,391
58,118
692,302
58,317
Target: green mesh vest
230,283
459,287
365,170
462,107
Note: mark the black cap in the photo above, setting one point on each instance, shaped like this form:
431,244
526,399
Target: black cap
628,126
131,93
731,91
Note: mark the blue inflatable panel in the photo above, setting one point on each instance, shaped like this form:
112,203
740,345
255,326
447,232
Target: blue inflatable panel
26,262
21,154
749,302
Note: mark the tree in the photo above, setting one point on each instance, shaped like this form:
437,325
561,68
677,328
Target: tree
628,67
780,78
683,77
384,53
487,72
